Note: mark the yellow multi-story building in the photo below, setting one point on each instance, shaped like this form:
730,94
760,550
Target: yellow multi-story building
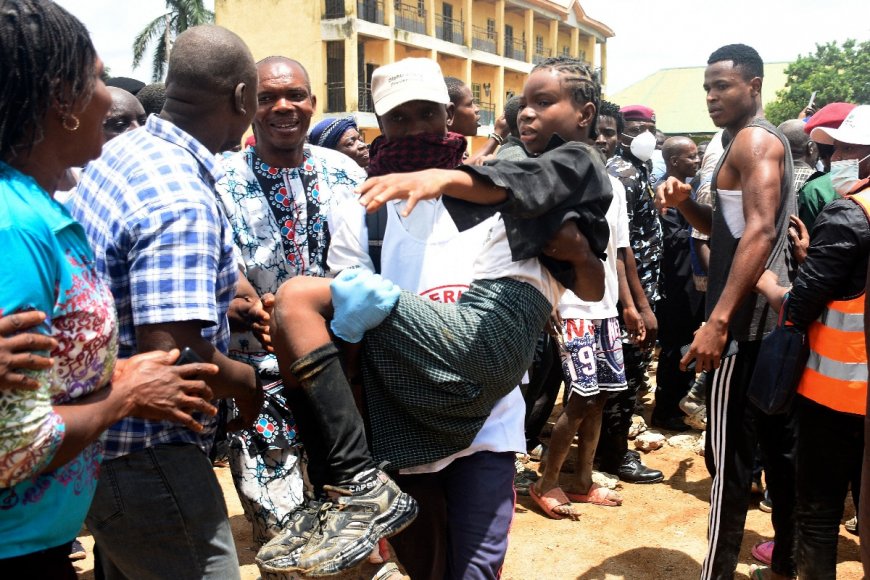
492,45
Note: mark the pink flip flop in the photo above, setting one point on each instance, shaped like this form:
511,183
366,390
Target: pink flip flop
597,495
763,552
551,500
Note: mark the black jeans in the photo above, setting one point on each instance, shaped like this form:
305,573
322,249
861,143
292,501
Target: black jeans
830,450
52,564
672,384
616,418
545,380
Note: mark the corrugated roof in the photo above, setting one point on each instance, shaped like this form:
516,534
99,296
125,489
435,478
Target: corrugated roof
677,96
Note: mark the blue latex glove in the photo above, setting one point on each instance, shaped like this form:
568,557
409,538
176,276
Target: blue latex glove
361,300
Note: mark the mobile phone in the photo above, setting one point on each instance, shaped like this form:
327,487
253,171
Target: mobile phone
812,99
730,350
188,356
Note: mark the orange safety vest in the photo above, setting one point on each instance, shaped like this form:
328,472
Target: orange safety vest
836,371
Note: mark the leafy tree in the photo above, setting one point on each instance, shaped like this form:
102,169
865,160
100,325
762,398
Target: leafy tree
183,14
836,73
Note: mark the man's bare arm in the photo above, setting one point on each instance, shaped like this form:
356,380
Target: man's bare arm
676,194
427,184
755,164
234,379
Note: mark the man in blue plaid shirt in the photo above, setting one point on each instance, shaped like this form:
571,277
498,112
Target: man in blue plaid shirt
164,246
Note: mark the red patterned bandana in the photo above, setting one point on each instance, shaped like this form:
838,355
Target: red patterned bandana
415,153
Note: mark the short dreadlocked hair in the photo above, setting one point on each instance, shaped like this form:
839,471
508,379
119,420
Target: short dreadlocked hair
581,80
48,59
611,110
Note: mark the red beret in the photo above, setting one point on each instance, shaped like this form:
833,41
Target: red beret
830,116
638,113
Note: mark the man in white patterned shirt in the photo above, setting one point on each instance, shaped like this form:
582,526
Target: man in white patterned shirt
277,196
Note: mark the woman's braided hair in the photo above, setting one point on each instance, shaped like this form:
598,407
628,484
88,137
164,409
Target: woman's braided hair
46,61
580,79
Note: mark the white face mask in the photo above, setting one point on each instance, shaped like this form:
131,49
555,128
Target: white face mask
844,175
643,146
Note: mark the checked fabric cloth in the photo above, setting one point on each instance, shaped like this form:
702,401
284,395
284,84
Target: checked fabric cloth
433,371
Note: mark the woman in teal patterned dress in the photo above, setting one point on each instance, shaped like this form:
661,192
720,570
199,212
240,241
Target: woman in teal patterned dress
52,105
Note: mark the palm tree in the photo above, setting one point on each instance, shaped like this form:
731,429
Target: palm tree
182,15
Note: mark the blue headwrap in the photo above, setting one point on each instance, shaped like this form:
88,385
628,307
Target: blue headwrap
327,132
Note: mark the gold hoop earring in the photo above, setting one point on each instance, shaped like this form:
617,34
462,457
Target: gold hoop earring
76,123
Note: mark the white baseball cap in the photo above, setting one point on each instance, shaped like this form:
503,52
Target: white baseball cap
855,129
410,79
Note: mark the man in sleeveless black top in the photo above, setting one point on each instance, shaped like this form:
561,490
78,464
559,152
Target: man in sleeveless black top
748,226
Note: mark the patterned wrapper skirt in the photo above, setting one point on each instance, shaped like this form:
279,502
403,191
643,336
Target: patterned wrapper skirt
266,462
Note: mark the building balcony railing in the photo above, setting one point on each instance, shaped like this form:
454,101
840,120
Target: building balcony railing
370,11
411,18
334,9
483,39
541,55
515,49
335,102
364,98
449,29
487,113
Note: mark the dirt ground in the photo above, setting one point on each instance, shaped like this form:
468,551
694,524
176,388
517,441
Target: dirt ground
658,533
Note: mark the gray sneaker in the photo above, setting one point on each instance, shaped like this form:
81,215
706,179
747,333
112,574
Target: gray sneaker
281,553
352,526
696,412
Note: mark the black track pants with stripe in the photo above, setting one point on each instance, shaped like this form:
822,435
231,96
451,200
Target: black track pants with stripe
734,426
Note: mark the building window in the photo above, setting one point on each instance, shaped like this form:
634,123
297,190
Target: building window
490,28
446,22
539,44
335,102
334,9
371,10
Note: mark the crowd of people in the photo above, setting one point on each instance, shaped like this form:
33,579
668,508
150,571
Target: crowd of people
379,332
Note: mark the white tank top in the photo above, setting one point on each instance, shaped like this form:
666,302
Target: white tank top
731,202
427,254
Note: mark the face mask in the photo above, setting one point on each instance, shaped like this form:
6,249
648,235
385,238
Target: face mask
643,146
844,175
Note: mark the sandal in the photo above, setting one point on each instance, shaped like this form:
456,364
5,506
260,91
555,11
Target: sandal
763,552
551,500
597,495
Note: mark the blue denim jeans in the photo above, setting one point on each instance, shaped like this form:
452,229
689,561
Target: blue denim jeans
160,513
